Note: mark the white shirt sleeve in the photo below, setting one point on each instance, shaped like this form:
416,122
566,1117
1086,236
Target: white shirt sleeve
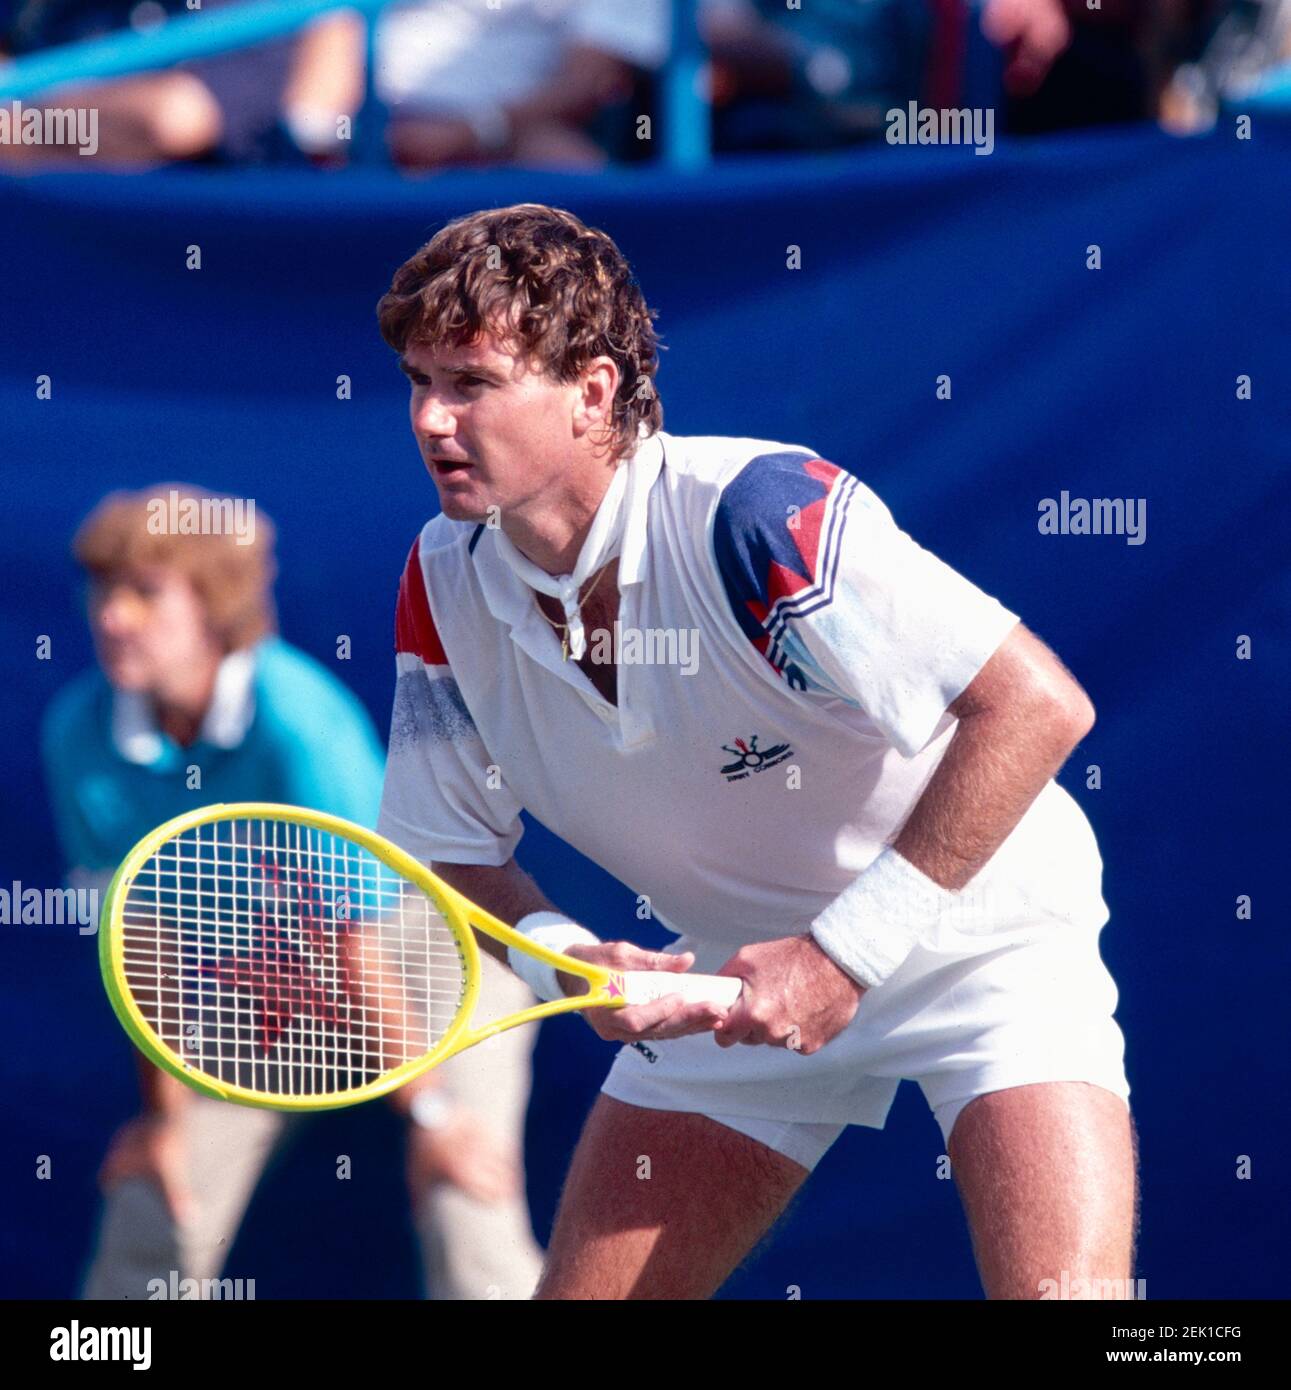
844,603
638,31
443,798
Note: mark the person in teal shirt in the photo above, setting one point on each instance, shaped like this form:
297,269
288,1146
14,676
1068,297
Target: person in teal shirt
197,700
279,727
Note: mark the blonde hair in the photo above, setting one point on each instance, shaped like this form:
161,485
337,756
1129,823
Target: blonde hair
233,579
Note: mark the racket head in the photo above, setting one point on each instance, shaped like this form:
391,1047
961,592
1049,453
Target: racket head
251,950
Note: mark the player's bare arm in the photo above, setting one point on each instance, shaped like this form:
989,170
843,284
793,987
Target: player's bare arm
506,891
510,894
1019,719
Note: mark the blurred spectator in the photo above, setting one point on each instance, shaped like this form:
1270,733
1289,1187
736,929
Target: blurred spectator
826,74
1128,60
566,83
193,679
1220,50
236,107
1031,36
817,77
1087,67
534,82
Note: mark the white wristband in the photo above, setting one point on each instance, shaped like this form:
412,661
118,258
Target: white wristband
555,932
875,922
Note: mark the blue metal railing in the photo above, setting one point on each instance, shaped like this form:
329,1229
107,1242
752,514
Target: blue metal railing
1273,92
684,105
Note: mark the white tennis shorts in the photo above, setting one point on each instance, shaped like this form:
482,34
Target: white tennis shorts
981,1006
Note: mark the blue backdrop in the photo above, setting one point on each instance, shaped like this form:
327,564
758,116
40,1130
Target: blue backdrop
1117,382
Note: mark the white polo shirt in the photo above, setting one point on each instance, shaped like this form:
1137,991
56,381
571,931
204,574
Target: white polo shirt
740,788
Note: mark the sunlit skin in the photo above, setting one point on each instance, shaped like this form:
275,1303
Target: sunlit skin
153,637
495,432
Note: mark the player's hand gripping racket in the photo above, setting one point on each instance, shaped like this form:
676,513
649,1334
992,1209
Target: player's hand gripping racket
280,957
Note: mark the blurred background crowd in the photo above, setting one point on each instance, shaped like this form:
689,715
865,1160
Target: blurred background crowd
571,83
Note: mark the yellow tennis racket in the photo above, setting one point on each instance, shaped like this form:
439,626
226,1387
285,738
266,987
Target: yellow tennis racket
280,957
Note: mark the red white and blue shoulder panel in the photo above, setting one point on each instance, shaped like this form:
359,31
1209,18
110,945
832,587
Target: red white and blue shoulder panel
778,537
428,703
415,634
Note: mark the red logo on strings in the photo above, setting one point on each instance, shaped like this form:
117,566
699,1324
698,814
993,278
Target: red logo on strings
276,972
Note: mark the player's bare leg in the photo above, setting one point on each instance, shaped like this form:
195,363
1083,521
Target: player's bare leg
1047,1177
710,1194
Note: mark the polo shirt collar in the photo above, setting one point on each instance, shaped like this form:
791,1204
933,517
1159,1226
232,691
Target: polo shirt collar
139,740
510,599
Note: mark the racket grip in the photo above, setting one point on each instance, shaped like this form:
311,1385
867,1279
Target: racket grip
645,986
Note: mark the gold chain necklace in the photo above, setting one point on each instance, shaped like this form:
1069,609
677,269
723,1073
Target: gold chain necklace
563,628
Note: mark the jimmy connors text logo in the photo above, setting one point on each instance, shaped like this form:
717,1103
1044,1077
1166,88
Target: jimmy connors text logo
750,758
50,125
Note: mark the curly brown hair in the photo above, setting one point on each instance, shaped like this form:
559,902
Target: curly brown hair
554,290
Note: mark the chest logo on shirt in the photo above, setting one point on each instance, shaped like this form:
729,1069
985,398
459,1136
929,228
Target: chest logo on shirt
750,758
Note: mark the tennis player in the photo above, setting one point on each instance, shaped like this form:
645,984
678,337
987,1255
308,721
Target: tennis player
820,756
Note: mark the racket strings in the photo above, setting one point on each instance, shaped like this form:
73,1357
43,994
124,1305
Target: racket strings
287,959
